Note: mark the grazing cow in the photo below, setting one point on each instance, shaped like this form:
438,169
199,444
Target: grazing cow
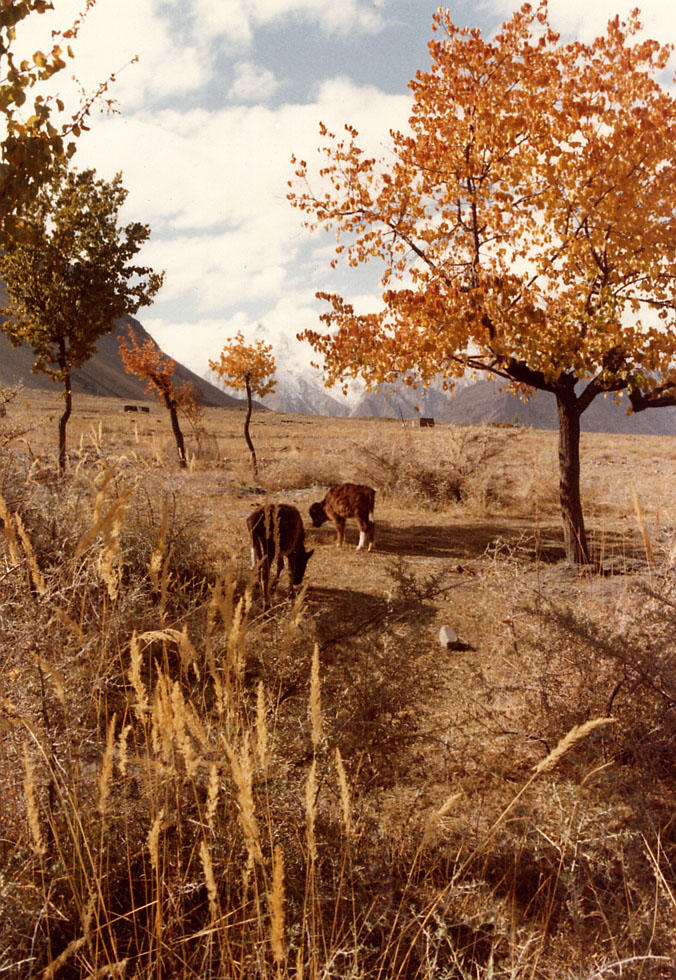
348,500
277,532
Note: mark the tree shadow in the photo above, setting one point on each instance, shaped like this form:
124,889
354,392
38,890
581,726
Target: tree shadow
376,675
457,542
342,614
462,541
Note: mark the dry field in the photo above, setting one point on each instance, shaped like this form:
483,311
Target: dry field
191,787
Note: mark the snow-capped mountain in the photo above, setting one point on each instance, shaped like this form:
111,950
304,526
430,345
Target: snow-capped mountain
302,394
300,388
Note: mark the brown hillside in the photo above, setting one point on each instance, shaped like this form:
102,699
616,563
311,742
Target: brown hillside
104,374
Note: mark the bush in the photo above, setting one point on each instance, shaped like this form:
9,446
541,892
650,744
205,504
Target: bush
455,469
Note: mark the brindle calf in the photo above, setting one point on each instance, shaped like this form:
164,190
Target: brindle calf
348,500
277,532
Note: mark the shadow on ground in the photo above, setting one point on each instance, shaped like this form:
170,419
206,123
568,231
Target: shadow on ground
458,541
340,614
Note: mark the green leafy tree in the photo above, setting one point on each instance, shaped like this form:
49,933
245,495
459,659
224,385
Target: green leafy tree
250,368
30,142
73,276
524,225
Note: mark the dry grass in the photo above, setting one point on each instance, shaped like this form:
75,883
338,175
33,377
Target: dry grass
193,787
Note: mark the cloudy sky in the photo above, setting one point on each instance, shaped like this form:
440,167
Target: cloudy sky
224,91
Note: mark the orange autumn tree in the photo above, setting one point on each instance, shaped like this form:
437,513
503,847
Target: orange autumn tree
250,368
148,362
524,226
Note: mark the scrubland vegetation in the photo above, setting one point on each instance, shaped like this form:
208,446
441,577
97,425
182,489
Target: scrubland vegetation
193,788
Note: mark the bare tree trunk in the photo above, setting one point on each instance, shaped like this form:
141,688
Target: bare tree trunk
68,398
247,421
574,534
176,428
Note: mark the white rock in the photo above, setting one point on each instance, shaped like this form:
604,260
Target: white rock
448,637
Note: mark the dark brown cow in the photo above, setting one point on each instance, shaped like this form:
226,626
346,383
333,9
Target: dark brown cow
348,500
277,532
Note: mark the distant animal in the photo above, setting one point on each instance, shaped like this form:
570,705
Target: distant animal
348,500
277,531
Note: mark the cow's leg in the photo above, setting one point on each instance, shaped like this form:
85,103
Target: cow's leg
362,538
364,527
340,530
280,563
291,562
264,578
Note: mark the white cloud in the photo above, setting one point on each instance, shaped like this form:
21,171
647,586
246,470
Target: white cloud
252,83
110,36
212,185
195,341
219,271
223,18
237,20
191,171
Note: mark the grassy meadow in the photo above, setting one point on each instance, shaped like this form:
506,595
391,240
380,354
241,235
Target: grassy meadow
191,787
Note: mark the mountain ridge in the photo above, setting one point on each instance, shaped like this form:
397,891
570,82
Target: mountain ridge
103,374
300,391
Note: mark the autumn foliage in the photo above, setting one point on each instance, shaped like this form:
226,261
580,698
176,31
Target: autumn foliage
523,224
245,366
147,362
250,368
33,140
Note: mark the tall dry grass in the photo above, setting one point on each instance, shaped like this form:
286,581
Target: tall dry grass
192,787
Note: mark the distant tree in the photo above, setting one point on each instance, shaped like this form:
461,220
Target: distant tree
71,277
248,367
148,362
31,143
524,226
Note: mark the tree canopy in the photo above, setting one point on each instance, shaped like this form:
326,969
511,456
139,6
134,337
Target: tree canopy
246,367
524,225
30,141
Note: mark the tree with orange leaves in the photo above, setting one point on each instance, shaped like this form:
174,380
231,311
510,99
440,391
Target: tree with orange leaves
250,368
148,362
525,226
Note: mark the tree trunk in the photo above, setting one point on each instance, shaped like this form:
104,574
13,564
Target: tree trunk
574,534
249,443
68,398
176,429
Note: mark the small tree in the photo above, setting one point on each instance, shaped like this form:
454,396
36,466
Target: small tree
248,367
71,277
524,226
148,362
